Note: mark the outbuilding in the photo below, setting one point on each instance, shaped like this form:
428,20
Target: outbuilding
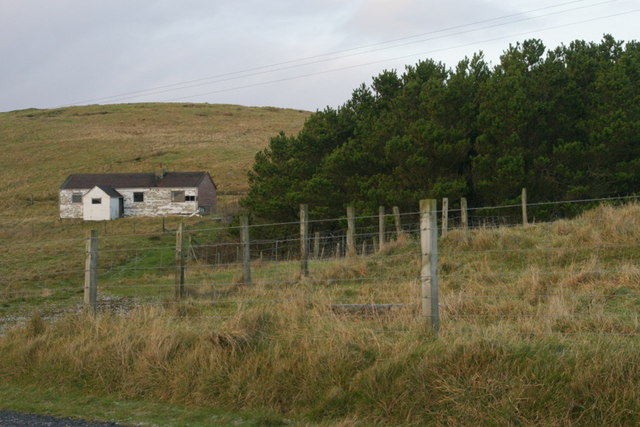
102,203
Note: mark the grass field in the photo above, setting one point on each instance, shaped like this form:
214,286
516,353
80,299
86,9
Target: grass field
40,148
539,324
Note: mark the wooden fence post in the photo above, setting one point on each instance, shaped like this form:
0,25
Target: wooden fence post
338,250
351,225
429,271
525,219
464,213
316,245
91,272
246,250
396,220
381,228
179,277
445,216
304,240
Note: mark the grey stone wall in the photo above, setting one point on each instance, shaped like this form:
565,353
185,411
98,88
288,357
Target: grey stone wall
157,202
67,208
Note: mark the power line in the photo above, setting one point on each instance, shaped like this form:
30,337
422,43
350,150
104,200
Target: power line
317,73
295,63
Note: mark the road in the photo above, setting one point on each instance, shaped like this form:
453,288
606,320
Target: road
11,419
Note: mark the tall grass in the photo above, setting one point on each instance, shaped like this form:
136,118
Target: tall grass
538,327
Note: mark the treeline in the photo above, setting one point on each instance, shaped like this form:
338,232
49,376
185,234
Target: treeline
564,123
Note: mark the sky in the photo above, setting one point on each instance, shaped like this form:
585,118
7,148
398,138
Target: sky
282,53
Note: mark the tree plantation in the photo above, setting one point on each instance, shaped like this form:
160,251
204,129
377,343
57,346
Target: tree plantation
564,123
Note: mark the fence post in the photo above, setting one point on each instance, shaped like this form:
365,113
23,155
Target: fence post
179,279
429,271
396,220
304,240
351,225
316,245
525,219
246,253
338,250
445,216
91,272
464,213
381,230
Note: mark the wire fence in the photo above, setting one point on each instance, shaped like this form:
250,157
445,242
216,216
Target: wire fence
559,277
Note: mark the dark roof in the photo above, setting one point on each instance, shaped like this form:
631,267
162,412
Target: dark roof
111,192
133,180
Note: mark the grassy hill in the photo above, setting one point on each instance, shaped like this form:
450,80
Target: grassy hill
539,323
539,326
40,148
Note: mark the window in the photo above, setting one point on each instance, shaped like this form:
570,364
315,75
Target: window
76,198
138,196
96,201
189,198
177,196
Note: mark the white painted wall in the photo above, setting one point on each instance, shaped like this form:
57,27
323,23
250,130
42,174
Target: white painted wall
98,212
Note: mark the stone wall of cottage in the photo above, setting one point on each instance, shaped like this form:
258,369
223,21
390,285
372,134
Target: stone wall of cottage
157,202
67,208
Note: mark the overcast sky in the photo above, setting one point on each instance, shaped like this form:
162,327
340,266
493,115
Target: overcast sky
283,53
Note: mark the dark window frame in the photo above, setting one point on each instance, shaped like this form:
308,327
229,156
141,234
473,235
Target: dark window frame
96,201
138,197
189,198
177,196
76,198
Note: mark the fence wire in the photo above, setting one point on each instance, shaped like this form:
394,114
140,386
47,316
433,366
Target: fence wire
594,287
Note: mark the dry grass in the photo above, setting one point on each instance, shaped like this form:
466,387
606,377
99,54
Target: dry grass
40,148
538,326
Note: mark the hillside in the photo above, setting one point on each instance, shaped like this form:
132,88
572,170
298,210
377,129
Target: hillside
41,147
539,326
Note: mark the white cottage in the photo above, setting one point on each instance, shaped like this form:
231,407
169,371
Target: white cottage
113,195
102,203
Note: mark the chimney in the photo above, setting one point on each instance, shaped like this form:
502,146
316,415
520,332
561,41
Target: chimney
160,172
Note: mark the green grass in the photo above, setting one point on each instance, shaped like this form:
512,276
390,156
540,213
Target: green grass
559,357
41,257
523,339
42,147
64,401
